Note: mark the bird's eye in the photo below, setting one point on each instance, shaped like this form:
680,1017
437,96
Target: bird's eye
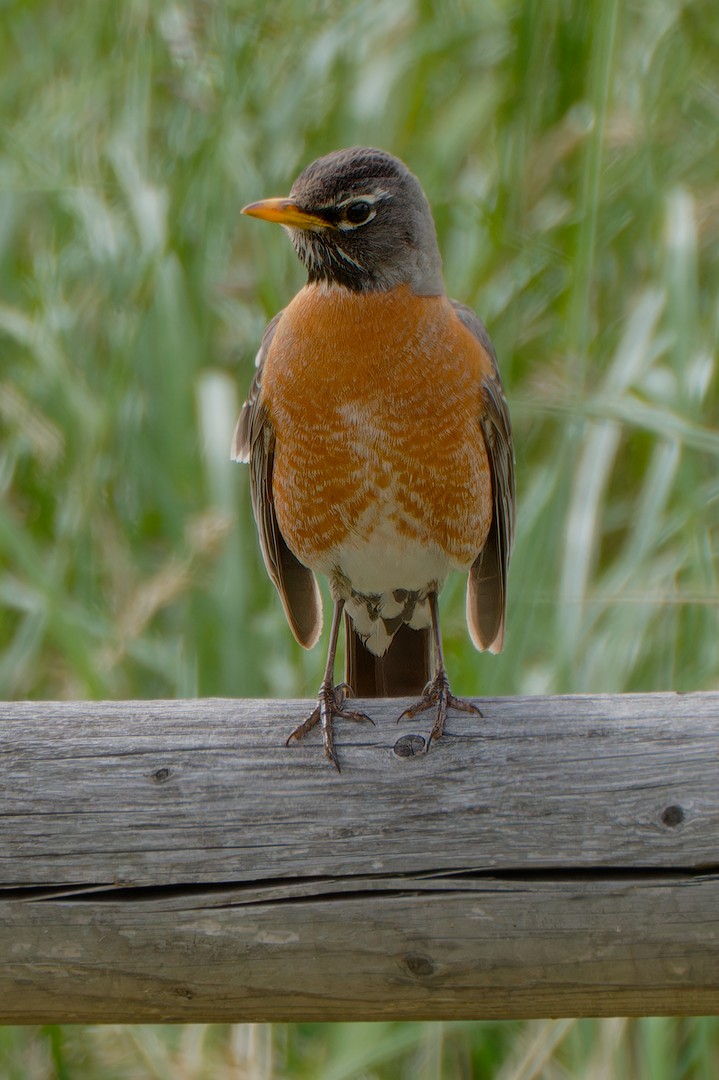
358,212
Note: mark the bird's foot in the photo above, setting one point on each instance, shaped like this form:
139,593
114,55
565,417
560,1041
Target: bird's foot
438,696
330,707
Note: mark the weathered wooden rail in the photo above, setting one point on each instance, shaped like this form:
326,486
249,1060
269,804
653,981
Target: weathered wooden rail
172,860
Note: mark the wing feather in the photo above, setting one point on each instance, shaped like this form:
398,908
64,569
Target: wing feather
487,583
254,443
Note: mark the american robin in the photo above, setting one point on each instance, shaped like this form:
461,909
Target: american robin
379,440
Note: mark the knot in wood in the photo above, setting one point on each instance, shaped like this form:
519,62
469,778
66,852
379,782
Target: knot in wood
161,775
419,965
409,746
673,816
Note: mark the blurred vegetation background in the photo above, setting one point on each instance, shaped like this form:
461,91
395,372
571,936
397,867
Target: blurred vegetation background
570,151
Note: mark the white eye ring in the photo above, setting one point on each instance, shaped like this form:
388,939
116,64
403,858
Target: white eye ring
347,225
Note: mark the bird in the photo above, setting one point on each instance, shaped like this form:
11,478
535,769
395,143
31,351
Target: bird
379,441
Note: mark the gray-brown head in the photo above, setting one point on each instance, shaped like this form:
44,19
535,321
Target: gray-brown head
359,218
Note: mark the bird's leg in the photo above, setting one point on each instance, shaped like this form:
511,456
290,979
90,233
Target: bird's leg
330,699
437,694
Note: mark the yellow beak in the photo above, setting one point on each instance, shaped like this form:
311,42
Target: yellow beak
285,212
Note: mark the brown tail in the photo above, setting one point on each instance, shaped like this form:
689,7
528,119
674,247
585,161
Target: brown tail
403,671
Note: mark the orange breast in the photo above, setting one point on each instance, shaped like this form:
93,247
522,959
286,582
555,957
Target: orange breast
375,401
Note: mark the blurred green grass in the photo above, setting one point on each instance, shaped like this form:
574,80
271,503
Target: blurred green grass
644,1049
570,152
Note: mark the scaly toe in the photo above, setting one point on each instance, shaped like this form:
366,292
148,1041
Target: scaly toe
437,695
330,707
462,706
301,730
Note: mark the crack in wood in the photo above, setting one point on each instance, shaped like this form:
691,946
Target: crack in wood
343,887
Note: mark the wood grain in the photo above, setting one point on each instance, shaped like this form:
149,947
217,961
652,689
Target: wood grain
172,860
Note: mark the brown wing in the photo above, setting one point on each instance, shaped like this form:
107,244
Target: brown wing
254,443
487,584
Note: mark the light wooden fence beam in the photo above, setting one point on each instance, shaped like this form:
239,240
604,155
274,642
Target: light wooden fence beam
173,861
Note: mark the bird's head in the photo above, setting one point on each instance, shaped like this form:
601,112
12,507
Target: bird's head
359,219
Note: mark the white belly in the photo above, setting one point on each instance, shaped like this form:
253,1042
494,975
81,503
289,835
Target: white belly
382,566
